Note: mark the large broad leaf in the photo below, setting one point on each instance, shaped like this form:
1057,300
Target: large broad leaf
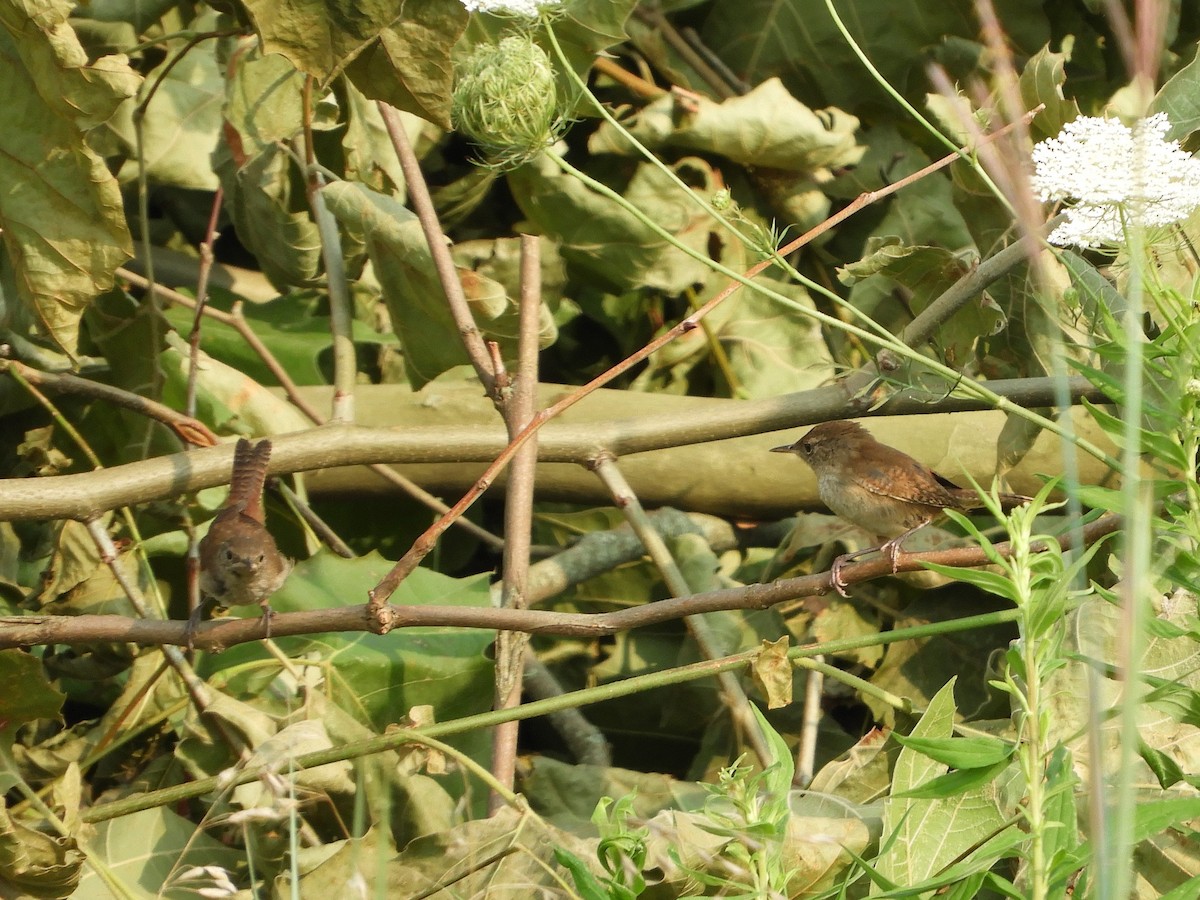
767,127
61,213
506,856
264,191
34,863
183,119
1167,719
290,326
922,836
395,52
378,678
29,695
143,853
414,295
769,348
917,669
1180,100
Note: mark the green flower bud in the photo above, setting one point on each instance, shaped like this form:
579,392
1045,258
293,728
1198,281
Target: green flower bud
506,101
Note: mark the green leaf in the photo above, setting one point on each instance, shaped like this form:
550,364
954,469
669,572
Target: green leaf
29,694
959,752
149,847
766,127
1179,701
1163,447
931,833
588,885
1041,82
801,44
1094,496
182,123
782,767
1185,891
615,245
414,295
288,326
772,350
955,784
399,57
1165,769
1153,817
1179,98
1061,782
926,272
61,212
37,864
264,194
992,582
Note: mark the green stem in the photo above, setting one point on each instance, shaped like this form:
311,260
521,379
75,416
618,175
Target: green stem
1135,585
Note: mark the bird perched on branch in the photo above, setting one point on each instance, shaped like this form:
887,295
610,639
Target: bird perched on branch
878,487
239,562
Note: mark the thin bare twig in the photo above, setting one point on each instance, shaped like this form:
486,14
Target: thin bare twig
206,263
518,516
633,83
188,429
422,203
327,535
655,19
605,466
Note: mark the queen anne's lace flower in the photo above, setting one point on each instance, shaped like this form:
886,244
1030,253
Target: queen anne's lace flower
1118,177
509,7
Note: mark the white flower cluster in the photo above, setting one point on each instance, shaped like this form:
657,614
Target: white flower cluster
1118,177
509,7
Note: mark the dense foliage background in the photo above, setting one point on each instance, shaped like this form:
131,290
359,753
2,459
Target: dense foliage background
239,152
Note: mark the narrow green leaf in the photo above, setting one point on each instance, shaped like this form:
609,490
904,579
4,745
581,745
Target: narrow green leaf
587,884
992,582
955,784
1165,769
960,753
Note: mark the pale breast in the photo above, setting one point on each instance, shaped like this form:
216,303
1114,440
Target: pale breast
881,515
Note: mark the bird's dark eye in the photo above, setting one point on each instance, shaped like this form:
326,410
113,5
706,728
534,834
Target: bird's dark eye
806,446
261,557
228,554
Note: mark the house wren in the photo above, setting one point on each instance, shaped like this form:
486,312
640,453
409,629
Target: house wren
878,488
239,562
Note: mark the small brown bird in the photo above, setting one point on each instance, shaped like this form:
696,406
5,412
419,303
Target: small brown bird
239,562
878,488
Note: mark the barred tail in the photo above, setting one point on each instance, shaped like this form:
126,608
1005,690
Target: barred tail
249,476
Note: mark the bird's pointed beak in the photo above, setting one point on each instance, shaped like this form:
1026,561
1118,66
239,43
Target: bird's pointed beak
786,448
